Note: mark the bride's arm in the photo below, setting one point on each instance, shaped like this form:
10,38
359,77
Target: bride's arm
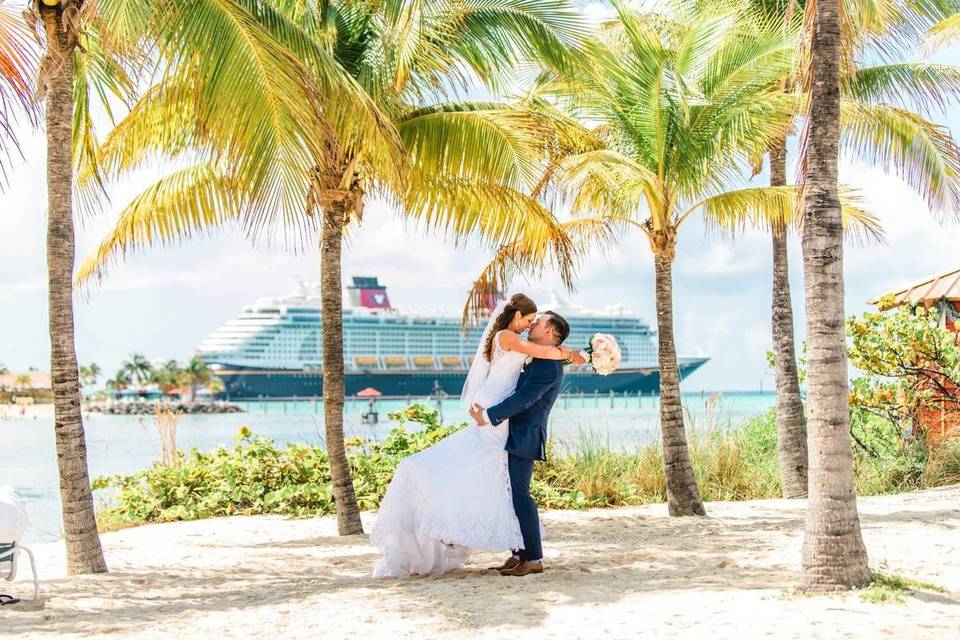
512,342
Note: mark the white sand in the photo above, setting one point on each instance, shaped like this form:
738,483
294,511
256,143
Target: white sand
610,573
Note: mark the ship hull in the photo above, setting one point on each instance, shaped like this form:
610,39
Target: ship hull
249,383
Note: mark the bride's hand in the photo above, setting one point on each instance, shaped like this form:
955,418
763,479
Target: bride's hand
476,412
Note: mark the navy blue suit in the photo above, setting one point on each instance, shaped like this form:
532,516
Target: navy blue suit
527,410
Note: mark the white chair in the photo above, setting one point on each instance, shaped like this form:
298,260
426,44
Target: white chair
8,564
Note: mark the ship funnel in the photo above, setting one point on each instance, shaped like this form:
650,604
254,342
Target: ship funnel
367,292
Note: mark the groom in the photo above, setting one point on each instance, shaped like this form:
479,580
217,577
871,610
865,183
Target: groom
527,410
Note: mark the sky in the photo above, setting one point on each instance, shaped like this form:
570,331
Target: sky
163,301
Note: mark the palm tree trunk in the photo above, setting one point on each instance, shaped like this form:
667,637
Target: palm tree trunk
84,554
683,497
791,427
331,292
834,556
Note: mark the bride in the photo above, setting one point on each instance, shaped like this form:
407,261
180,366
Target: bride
454,497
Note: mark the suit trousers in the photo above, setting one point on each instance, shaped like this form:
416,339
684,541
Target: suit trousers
521,472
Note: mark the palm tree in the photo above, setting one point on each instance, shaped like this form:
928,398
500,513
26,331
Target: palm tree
260,107
139,369
791,422
461,167
195,375
119,382
168,377
22,382
678,108
233,53
61,27
873,126
834,556
215,386
89,374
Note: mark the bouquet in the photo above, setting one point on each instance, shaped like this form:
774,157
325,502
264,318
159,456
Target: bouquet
604,353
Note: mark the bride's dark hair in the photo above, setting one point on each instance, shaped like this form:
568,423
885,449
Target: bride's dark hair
518,302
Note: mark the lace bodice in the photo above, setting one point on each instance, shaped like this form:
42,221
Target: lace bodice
501,380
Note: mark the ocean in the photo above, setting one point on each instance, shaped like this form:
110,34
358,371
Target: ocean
125,444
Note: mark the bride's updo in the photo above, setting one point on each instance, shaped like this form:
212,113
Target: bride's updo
518,302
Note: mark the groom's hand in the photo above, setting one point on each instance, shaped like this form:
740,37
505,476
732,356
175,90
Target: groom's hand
476,412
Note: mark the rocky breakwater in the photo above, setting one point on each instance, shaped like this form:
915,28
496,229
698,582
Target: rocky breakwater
151,407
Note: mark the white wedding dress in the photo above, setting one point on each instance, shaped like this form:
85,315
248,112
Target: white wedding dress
454,497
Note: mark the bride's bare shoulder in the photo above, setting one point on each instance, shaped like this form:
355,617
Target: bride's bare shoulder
507,338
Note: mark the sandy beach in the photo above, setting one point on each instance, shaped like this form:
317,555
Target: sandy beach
617,573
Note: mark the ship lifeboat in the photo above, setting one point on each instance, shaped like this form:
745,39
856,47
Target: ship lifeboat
424,361
395,361
450,361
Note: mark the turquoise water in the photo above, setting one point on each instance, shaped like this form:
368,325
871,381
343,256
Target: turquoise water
125,444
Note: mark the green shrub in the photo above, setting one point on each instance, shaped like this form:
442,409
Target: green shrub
255,476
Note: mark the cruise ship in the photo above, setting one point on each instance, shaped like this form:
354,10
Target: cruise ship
274,349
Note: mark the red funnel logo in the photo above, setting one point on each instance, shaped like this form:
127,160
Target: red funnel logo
374,299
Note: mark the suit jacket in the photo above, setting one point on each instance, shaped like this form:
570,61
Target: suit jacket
528,409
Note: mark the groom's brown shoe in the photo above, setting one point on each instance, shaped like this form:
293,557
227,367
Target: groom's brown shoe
511,563
525,568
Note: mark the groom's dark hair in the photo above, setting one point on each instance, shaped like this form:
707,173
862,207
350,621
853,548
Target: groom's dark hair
561,328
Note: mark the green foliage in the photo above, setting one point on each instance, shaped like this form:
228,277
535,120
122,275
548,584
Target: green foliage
886,461
801,363
910,363
255,476
891,588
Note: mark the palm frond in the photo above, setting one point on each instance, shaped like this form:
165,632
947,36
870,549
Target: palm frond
764,207
942,34
189,201
18,68
921,152
751,207
357,123
161,124
608,182
100,79
928,85
496,142
125,27
684,99
493,35
267,92
460,209
532,256
890,29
